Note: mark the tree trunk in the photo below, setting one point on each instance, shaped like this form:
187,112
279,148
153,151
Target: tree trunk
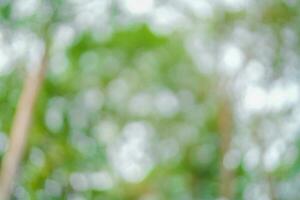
20,128
226,182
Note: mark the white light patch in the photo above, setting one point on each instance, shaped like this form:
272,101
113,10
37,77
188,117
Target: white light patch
92,100
251,159
37,157
141,104
232,59
86,181
101,180
166,103
58,64
201,8
204,7
21,193
255,71
138,7
118,91
35,53
54,118
130,156
106,131
166,19
4,61
21,42
255,99
63,36
79,182
236,4
53,188
271,158
283,95
88,13
23,9
232,159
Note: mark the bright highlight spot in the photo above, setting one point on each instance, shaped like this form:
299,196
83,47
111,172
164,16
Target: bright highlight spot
232,58
130,156
138,7
236,4
166,103
255,99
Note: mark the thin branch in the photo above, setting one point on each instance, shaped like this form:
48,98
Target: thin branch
20,128
226,184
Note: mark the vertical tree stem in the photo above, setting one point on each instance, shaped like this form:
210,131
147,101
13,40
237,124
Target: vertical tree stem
226,187
20,128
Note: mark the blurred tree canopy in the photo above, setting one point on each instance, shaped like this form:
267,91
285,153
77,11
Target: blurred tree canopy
155,100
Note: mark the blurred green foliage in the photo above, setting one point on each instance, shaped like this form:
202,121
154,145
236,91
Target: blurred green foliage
104,81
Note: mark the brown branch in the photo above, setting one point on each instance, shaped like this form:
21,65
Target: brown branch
20,128
225,123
